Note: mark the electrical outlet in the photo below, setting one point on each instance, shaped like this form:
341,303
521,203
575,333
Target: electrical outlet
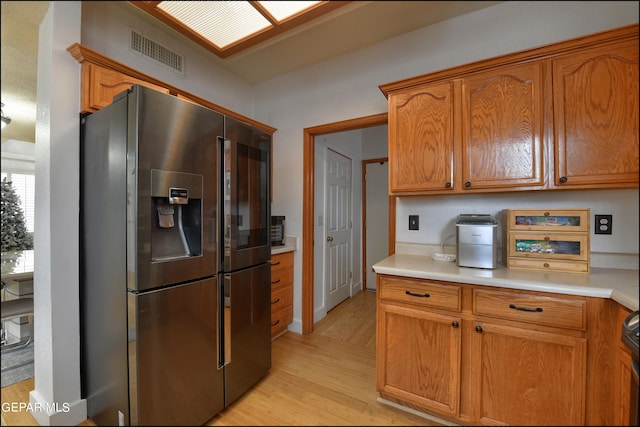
603,224
414,222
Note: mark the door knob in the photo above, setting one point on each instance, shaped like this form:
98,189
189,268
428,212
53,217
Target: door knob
329,238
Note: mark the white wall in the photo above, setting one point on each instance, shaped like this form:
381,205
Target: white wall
347,87
438,215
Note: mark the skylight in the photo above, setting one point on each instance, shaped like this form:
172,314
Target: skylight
227,27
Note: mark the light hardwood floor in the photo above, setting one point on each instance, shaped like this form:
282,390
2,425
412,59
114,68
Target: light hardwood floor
324,378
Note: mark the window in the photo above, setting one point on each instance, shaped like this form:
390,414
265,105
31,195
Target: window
18,166
24,186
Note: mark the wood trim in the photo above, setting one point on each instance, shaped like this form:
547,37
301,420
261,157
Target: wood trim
534,54
308,204
83,54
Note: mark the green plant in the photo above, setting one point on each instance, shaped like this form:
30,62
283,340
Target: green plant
15,236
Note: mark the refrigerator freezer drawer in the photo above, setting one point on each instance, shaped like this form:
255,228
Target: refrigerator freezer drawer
173,349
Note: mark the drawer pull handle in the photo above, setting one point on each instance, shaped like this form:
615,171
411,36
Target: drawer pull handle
547,238
275,263
454,324
413,294
515,307
277,300
275,323
277,281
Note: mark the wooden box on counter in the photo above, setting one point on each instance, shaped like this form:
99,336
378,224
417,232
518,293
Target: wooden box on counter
547,239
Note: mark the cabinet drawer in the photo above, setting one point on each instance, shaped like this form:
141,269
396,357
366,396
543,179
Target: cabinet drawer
280,319
282,269
281,297
562,312
549,265
556,220
424,293
558,246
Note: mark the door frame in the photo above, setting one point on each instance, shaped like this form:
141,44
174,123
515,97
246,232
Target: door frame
308,191
392,211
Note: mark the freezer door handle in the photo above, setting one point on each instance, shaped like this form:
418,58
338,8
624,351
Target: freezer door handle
226,321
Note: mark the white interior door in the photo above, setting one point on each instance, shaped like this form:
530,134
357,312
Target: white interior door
377,215
337,228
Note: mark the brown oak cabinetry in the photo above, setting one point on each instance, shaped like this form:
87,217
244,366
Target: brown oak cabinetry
522,375
557,117
421,141
100,85
623,375
502,128
281,292
595,106
414,343
477,354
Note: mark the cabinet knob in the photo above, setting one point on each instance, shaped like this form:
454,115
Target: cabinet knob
479,329
454,324
448,184
547,238
467,184
546,214
329,238
546,265
563,179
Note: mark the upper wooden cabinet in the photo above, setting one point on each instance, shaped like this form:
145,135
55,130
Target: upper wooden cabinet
595,105
100,85
502,139
103,78
421,140
557,117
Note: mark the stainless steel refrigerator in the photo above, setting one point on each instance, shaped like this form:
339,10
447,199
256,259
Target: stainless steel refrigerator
175,278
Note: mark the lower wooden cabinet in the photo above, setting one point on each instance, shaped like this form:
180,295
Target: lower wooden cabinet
525,377
281,292
414,345
623,376
497,356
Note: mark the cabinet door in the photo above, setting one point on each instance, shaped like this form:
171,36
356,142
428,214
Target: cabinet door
418,357
100,85
525,377
421,139
502,144
595,102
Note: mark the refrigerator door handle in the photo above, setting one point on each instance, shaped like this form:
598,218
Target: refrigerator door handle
226,321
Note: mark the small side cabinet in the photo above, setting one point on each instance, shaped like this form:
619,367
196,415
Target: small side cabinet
281,292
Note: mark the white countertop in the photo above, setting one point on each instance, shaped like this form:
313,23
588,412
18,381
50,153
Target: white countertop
617,284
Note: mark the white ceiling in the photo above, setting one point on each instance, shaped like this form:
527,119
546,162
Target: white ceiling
354,26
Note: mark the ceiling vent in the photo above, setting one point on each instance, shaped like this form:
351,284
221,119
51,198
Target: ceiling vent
156,52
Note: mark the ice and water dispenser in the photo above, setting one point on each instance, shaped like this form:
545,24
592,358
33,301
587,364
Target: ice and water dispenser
477,240
176,231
